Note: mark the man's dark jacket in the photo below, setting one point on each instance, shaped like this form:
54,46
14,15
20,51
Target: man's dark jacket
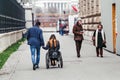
35,37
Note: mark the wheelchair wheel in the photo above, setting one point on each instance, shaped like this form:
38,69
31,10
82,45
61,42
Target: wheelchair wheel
61,62
47,61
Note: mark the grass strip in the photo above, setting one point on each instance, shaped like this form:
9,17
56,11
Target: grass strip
6,53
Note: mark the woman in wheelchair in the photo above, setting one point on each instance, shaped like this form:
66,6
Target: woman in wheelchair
53,46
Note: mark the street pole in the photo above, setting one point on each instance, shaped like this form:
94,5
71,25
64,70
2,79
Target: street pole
32,19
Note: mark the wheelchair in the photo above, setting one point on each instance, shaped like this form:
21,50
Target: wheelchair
54,58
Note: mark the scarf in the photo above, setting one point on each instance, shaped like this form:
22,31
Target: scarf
96,37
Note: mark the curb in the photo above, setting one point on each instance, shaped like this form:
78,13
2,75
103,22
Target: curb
8,70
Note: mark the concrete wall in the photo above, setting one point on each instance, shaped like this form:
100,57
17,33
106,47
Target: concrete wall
106,19
118,26
28,17
6,39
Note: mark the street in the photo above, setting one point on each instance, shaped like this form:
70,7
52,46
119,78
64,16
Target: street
87,67
96,20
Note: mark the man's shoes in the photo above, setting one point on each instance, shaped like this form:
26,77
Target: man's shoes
37,66
34,67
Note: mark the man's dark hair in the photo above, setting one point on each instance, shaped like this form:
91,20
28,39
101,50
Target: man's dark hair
38,24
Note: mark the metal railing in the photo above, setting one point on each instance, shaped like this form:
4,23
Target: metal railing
8,24
12,16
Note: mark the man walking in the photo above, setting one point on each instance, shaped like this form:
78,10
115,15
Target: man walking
78,35
35,40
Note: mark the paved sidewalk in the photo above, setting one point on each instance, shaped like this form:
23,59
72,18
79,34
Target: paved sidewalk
88,67
9,68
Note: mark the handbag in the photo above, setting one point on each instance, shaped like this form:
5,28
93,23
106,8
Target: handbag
104,45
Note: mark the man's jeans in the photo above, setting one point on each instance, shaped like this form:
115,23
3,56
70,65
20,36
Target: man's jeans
35,55
61,31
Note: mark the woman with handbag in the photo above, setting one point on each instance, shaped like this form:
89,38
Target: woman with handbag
78,35
99,40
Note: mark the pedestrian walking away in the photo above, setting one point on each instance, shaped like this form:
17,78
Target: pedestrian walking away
78,35
35,40
99,40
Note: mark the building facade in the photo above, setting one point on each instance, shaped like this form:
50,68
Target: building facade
90,13
25,1
51,11
59,6
47,11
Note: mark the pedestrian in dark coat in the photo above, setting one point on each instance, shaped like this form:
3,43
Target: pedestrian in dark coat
78,35
99,40
35,40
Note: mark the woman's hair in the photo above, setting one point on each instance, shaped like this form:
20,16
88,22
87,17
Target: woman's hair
52,40
79,24
52,36
100,25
